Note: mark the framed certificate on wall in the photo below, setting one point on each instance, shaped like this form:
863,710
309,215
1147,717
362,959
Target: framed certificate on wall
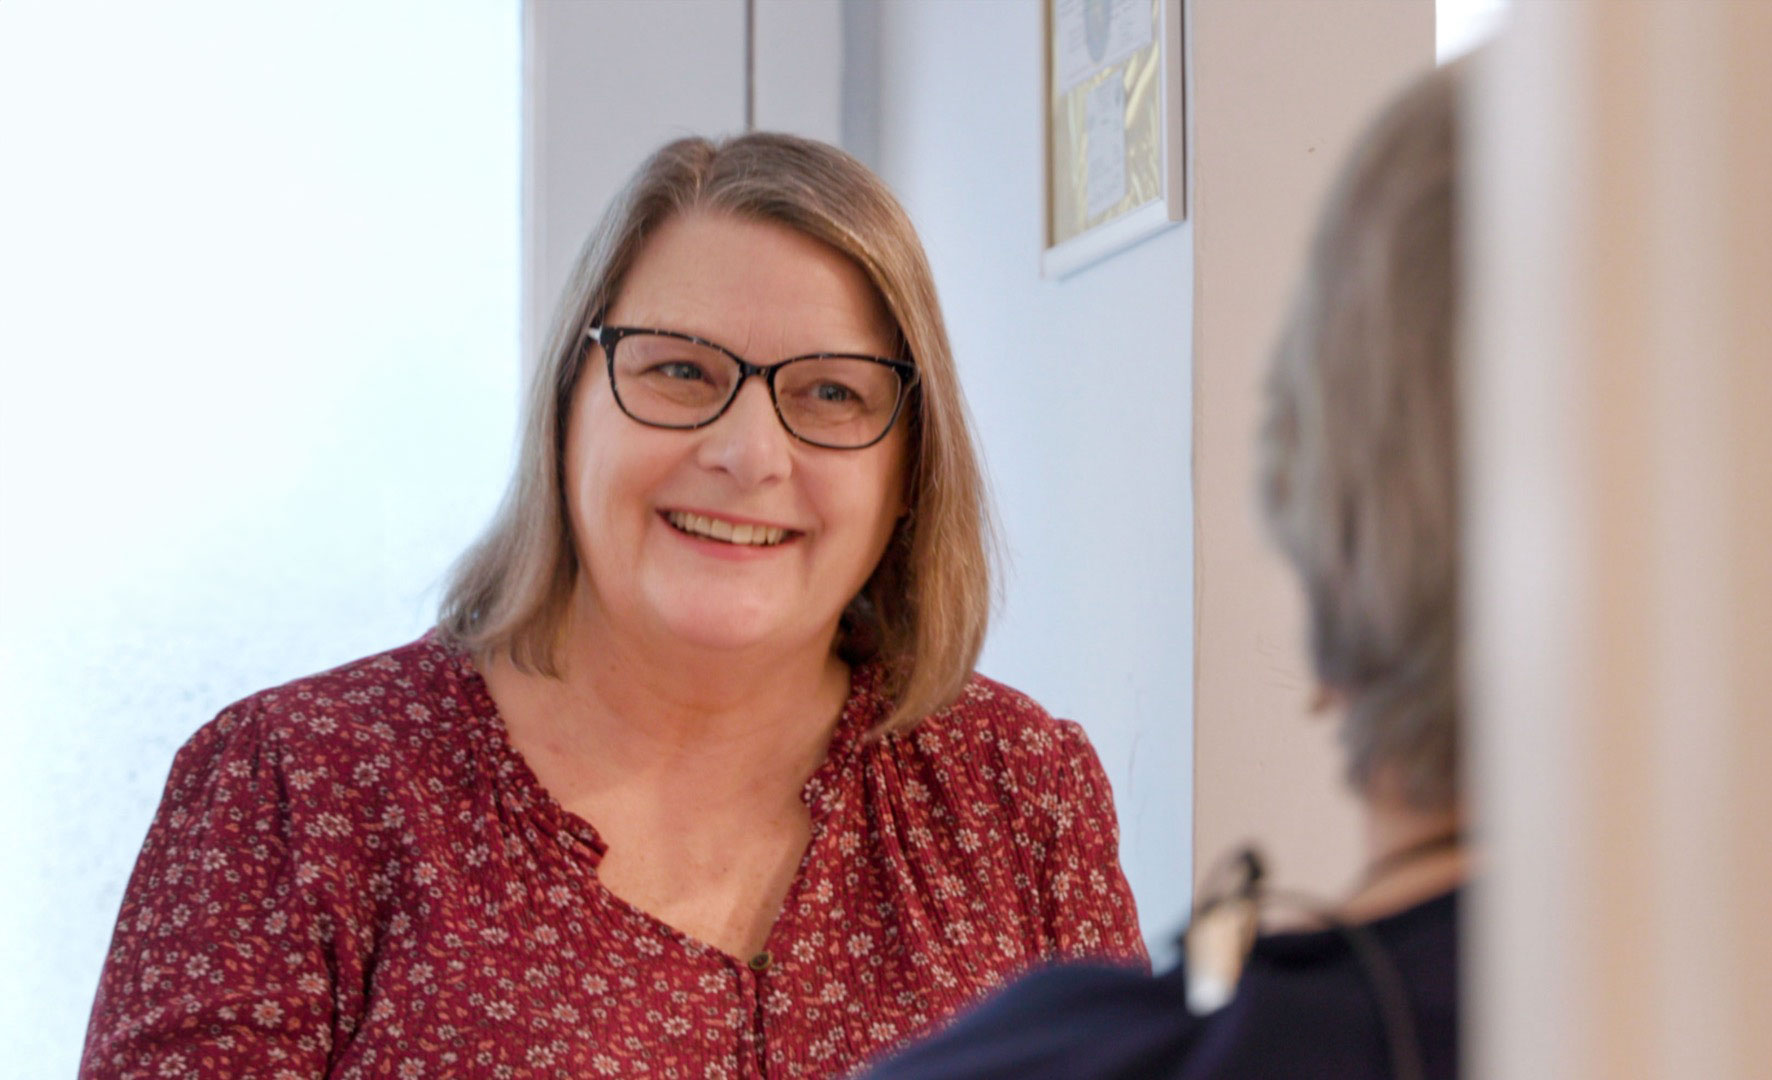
1115,149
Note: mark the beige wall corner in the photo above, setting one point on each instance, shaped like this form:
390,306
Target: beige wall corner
1621,514
1280,90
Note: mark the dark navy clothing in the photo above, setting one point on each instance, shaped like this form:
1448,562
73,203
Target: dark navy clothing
1305,1008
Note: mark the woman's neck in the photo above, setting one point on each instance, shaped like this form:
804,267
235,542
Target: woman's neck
713,729
1412,854
753,713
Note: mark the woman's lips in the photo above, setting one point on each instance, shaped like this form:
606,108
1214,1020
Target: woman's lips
708,527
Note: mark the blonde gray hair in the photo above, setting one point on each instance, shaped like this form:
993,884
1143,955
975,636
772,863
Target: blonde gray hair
922,614
1359,466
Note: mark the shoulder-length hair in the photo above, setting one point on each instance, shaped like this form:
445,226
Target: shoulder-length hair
1359,452
922,614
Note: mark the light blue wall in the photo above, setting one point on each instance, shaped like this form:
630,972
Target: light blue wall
1082,390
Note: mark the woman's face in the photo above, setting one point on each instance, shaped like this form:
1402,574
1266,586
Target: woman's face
767,293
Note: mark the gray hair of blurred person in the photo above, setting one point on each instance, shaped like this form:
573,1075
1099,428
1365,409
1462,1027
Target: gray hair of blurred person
1359,450
922,614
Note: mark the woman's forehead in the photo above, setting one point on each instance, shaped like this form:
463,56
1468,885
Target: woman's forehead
751,285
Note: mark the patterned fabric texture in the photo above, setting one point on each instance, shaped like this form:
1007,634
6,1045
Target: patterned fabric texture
356,875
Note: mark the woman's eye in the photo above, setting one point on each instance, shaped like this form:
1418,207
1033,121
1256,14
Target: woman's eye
834,393
680,369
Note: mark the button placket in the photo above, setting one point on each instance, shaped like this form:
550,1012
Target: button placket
753,984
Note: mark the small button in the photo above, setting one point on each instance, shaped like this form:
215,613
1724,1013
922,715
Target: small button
760,962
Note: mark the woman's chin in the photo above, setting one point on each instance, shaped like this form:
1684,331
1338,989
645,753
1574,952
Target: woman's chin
723,615
727,631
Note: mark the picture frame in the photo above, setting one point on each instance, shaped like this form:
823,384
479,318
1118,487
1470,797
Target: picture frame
1114,122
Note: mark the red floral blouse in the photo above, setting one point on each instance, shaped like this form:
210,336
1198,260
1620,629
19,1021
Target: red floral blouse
356,875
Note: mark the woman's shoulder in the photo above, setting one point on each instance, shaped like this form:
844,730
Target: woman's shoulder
310,778
1051,1024
410,690
1006,794
344,724
1303,1008
1001,734
996,746
992,716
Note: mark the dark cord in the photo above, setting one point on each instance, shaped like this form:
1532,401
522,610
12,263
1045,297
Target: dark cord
1382,977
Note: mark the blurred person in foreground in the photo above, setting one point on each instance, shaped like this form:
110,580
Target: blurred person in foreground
694,777
1359,488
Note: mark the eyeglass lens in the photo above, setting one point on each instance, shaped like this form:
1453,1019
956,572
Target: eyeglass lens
837,402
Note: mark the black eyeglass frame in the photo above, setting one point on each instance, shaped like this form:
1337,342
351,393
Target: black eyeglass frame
607,337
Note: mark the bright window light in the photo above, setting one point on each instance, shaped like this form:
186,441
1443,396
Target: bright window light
258,335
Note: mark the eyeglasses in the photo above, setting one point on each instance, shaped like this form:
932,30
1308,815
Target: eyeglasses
835,400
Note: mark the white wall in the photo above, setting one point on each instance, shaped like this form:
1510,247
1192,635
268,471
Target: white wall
258,322
1462,25
798,67
1082,392
605,84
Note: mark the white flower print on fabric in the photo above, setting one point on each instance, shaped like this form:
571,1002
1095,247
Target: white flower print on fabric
356,875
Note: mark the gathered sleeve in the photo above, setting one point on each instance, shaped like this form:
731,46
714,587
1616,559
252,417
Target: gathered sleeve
239,951
1090,912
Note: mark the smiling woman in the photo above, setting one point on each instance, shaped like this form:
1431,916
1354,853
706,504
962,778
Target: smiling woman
829,224
694,778
785,295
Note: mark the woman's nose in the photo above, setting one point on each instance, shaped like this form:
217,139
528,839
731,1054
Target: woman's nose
748,440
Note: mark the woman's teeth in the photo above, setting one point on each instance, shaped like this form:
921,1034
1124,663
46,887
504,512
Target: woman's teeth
714,528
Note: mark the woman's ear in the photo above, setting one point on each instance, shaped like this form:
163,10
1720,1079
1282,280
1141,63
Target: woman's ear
1327,699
